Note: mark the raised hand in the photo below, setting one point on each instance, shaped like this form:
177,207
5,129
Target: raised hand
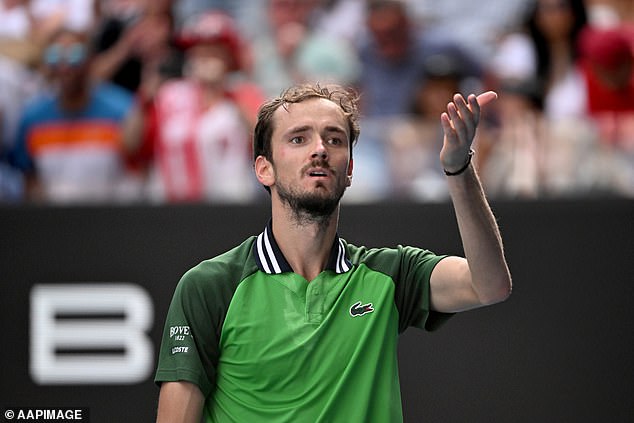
459,124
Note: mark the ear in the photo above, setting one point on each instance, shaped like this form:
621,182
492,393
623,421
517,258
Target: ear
264,171
350,166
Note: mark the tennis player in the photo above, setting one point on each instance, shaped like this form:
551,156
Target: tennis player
298,325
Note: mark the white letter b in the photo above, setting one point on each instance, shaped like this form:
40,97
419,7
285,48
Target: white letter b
78,318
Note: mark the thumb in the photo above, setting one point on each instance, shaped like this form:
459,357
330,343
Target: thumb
486,97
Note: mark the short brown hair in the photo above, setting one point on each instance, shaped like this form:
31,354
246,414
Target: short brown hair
346,98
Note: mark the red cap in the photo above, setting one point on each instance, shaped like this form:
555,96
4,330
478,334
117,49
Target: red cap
212,28
608,48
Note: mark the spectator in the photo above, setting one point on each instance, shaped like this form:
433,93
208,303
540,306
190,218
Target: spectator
414,140
24,26
200,127
69,141
37,20
563,51
546,48
473,25
19,81
343,19
290,50
392,58
512,145
393,55
539,157
608,66
133,35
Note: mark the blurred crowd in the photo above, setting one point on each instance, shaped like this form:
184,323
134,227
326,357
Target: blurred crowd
154,101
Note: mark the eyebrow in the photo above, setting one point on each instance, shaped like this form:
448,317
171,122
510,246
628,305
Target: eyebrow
297,129
304,128
337,129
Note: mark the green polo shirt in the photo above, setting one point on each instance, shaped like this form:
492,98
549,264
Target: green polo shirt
265,345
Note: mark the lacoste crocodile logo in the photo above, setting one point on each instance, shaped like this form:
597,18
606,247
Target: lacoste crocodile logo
358,309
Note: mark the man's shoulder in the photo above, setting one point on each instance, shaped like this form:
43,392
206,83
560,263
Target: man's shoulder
361,253
226,269
112,98
372,257
388,259
44,104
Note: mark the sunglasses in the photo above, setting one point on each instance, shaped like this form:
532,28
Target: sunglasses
71,55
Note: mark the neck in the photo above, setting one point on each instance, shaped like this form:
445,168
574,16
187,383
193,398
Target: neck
560,60
212,94
305,242
75,100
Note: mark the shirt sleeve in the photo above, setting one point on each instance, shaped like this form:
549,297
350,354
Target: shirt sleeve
412,293
189,349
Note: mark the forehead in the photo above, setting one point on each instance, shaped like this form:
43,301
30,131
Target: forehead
208,50
313,112
67,38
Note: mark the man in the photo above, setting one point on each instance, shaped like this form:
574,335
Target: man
69,142
198,125
288,47
298,325
393,55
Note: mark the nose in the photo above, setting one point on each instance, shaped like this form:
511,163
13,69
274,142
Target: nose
320,150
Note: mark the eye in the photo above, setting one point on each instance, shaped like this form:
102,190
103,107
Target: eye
52,54
335,141
296,140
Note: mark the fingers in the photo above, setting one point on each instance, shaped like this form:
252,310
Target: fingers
460,120
460,116
445,121
450,135
469,114
475,102
486,97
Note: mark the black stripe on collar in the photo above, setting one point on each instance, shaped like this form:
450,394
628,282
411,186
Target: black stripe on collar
270,259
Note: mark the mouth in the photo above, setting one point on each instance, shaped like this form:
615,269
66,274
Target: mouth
318,173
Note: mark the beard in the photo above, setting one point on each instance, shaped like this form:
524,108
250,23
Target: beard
311,207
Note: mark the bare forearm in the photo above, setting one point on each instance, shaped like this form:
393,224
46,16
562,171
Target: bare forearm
481,238
106,63
179,402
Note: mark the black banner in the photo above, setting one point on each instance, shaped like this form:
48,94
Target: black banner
84,292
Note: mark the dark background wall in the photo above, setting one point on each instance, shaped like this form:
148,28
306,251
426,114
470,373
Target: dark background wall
559,350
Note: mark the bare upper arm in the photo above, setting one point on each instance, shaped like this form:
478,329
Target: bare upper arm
180,402
451,289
